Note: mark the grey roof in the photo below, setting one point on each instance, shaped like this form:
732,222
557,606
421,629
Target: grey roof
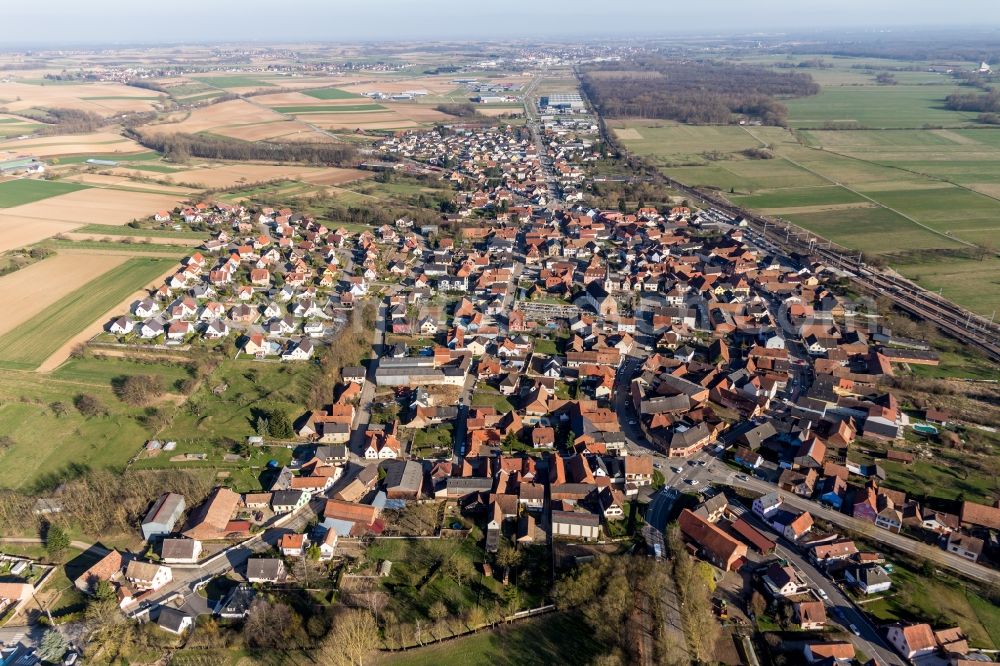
711,505
237,602
405,475
172,619
334,452
166,510
286,497
470,484
659,405
265,568
576,518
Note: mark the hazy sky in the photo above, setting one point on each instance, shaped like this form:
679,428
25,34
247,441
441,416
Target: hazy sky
130,21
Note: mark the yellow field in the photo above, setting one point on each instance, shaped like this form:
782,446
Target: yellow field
26,292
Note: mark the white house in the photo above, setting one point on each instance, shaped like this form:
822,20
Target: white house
328,545
151,329
148,576
298,351
766,504
870,580
912,640
146,308
121,326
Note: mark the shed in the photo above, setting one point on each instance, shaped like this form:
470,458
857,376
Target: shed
163,516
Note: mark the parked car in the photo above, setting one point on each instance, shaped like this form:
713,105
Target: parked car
855,630
693,482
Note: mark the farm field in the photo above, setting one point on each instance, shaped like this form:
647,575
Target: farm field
27,292
331,93
115,230
970,281
42,335
125,183
889,192
330,108
143,157
233,81
878,107
84,205
103,98
25,191
230,175
110,144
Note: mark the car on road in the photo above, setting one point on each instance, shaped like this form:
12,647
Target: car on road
657,466
742,477
823,595
692,482
677,470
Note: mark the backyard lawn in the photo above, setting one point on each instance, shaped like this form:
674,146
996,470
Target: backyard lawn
545,641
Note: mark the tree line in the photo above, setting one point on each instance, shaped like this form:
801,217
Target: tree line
701,92
981,103
180,147
65,121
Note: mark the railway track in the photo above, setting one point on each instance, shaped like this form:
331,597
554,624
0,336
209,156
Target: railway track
961,324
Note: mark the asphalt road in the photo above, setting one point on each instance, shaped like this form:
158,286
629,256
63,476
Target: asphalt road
184,585
868,639
892,539
364,411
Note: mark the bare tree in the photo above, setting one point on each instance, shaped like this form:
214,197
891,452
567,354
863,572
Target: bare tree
354,637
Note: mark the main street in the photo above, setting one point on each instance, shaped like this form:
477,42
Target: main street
364,411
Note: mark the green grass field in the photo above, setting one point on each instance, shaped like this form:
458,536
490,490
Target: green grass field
251,386
551,639
24,191
122,158
177,251
38,338
794,197
44,444
332,108
943,603
157,168
871,229
972,281
118,230
233,81
865,189
878,107
331,93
